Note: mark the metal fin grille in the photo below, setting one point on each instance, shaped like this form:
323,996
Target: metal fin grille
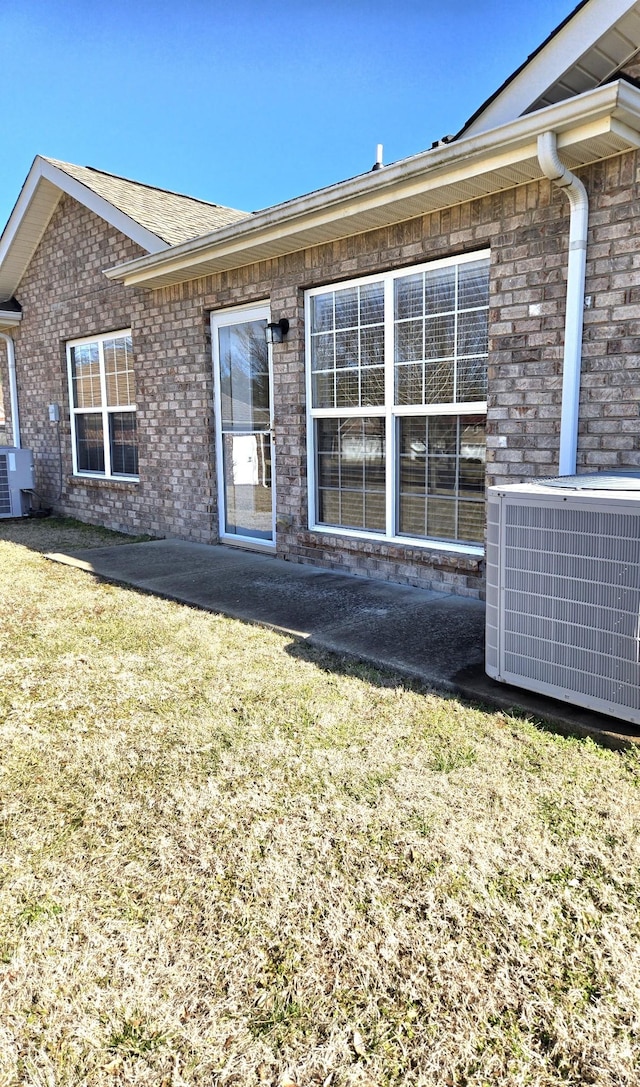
5,494
571,605
492,647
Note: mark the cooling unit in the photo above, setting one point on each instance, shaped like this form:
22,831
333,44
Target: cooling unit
16,479
563,590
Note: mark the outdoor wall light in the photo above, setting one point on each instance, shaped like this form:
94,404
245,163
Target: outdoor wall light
276,331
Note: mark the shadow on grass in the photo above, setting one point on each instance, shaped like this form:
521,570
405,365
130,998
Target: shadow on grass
343,665
64,534
42,534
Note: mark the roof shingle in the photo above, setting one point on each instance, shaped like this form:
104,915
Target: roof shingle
170,216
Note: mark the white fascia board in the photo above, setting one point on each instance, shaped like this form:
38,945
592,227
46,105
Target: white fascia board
545,68
585,114
33,217
103,208
9,319
20,208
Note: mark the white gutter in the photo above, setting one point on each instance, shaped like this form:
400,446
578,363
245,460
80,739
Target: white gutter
576,266
608,115
13,388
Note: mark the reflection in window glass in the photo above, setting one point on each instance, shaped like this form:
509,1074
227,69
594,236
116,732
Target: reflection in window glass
247,484
441,476
351,472
442,333
439,290
85,368
244,376
347,347
421,364
118,364
103,404
90,443
124,443
473,285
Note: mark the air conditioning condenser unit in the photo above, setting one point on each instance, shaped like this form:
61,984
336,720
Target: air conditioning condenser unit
16,481
563,590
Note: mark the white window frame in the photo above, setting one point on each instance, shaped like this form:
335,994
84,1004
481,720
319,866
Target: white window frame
105,410
390,412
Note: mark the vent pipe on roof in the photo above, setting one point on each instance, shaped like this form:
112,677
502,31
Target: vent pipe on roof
13,388
378,164
576,270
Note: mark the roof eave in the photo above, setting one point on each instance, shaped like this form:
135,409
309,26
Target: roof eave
36,203
574,39
591,126
9,319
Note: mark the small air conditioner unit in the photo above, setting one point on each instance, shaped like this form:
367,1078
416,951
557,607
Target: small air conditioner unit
563,590
16,480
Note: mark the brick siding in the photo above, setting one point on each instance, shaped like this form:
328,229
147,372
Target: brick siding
65,296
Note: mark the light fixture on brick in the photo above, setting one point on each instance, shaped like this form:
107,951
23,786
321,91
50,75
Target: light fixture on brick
275,331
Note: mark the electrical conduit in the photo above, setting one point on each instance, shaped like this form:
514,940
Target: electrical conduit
13,388
579,222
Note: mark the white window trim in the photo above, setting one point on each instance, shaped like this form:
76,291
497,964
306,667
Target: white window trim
389,412
105,410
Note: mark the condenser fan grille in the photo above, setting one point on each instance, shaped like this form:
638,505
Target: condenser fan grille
563,596
5,493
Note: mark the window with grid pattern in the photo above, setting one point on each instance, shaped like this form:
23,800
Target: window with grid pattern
103,406
397,384
347,347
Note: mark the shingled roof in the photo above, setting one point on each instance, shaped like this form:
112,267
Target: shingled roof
153,218
170,216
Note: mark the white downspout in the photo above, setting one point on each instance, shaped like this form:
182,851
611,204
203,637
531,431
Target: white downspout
13,388
579,222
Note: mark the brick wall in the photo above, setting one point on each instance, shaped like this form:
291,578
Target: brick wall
6,437
526,230
64,296
527,330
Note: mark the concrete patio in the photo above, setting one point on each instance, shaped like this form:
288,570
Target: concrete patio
433,638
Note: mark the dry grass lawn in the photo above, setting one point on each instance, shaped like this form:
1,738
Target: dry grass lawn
229,859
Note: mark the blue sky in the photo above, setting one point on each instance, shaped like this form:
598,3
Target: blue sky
248,103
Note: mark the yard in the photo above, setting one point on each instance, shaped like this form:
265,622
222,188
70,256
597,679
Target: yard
229,859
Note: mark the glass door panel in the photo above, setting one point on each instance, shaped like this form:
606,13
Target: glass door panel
247,485
244,417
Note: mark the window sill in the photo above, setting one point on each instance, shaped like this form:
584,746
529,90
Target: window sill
123,483
445,553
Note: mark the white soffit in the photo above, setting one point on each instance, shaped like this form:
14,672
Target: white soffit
35,206
610,53
594,43
594,126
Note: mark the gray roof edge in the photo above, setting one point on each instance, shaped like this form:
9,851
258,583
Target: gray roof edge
594,102
10,306
591,19
92,200
24,209
143,185
521,68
